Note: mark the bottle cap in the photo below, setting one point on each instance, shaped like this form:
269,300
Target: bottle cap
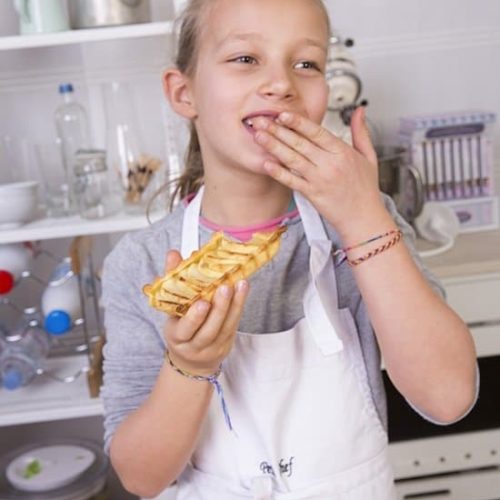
12,379
6,282
57,322
65,87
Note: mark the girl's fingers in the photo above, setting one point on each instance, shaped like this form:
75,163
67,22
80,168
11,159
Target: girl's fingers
292,139
285,176
213,324
284,154
235,311
173,260
187,326
361,140
317,134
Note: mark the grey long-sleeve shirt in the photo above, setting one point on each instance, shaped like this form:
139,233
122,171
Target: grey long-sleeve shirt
134,351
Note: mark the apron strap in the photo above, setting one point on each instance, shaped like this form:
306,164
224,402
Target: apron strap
313,225
321,296
190,240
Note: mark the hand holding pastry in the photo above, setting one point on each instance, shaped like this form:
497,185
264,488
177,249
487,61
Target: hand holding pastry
200,340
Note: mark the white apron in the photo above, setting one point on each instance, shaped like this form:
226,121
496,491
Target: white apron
305,423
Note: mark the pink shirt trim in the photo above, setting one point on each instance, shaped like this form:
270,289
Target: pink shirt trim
243,233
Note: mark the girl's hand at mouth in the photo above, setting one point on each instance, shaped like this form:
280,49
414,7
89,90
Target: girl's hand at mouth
339,180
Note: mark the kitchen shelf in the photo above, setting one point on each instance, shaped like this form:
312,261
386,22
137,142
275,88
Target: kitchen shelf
45,399
67,227
85,35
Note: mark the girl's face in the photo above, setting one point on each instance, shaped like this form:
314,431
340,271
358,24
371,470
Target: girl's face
256,57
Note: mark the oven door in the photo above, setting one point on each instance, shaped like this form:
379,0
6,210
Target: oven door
456,462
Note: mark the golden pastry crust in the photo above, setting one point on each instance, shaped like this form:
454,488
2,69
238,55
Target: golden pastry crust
220,261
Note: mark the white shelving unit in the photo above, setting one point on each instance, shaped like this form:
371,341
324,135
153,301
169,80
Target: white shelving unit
46,399
85,35
67,227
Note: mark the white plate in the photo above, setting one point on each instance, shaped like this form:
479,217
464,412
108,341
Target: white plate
51,467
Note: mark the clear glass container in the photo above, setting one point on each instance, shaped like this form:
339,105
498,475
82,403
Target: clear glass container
137,169
95,197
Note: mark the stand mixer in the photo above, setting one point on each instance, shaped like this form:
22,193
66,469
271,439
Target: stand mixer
345,88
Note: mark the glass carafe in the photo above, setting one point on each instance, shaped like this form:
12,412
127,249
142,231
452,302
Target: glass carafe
135,169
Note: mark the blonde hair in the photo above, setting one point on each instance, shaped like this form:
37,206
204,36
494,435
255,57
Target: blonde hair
191,23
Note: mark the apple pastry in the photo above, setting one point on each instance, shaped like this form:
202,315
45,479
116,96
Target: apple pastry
220,261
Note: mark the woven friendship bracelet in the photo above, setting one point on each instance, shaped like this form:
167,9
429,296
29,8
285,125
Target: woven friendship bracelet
202,378
377,250
340,255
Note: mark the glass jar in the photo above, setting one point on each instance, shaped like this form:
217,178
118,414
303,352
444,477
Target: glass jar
95,197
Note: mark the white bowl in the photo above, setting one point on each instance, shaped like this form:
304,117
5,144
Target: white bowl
18,203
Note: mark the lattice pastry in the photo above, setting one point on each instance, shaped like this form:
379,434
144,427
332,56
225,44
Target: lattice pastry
220,261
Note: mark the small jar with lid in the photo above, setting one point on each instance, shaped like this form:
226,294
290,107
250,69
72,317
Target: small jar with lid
94,196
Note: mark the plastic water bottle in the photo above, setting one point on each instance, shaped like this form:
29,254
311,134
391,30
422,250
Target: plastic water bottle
61,299
23,351
14,259
71,126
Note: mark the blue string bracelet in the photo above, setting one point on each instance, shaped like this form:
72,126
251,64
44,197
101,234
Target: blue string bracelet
211,379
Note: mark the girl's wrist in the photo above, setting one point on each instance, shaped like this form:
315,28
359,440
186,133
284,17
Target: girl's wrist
362,227
189,368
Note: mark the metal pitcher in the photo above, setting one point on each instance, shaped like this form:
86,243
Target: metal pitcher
98,13
401,180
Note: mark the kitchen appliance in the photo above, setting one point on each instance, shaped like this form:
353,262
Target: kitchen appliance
98,13
454,154
344,88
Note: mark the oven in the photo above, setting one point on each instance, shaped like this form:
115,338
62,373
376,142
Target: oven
460,461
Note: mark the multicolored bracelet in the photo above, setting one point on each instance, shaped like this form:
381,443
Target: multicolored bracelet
343,251
202,378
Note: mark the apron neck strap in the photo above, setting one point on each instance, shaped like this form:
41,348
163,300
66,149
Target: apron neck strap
313,225
190,240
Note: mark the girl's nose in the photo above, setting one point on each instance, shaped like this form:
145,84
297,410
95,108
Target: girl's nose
277,83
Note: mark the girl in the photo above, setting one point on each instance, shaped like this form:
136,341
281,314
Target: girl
302,385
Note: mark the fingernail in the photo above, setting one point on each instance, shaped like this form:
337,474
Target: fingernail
242,286
285,116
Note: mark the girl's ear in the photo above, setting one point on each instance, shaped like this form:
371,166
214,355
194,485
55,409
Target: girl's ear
177,88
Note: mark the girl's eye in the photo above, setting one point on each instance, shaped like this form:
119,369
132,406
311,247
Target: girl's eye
307,65
244,59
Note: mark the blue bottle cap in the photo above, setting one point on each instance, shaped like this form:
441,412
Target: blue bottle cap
65,87
12,379
57,322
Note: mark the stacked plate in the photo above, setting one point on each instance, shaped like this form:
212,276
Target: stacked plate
55,470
